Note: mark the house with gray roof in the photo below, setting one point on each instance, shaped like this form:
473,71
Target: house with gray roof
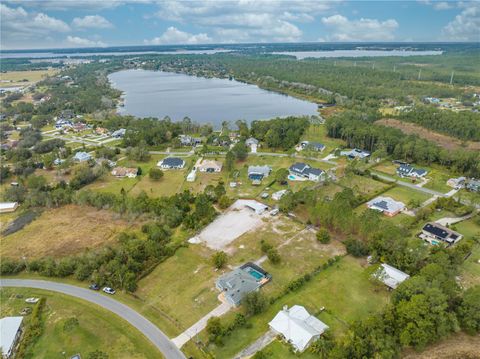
473,185
82,157
235,285
303,170
390,276
435,233
405,170
171,163
356,154
386,205
257,173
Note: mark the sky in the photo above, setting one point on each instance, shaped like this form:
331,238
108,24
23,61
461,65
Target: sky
40,24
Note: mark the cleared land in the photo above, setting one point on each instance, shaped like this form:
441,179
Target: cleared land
448,142
21,78
345,290
63,231
459,345
97,328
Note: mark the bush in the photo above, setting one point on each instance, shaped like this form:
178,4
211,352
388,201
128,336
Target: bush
155,173
255,303
356,248
265,246
70,324
323,236
219,259
273,256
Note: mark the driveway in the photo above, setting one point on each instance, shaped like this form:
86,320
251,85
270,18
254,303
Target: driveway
155,335
258,345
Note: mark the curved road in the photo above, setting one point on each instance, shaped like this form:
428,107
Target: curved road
155,335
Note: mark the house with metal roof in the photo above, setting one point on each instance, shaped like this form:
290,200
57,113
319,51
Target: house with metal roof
457,183
6,207
386,205
315,146
10,333
119,133
390,276
257,173
82,156
170,163
435,233
235,285
210,166
355,154
297,327
407,170
253,143
303,170
473,185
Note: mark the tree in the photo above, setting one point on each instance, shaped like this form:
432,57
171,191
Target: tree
281,175
224,202
273,256
155,173
255,303
356,248
469,310
229,161
323,346
219,259
241,151
323,236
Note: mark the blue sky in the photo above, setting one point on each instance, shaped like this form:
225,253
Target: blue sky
83,23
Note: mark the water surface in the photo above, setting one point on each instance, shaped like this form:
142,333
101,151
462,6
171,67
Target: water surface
160,94
356,53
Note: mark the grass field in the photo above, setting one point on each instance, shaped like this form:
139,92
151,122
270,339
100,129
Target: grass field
280,350
405,195
345,290
17,77
471,267
318,133
97,328
63,231
362,185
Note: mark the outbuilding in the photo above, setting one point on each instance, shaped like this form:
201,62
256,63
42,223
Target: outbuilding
10,333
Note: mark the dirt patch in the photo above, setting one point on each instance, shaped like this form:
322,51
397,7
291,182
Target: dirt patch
450,143
63,231
458,346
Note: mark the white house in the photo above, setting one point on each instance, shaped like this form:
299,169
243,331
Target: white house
297,326
210,166
82,156
191,176
390,276
252,143
121,172
10,332
278,195
6,207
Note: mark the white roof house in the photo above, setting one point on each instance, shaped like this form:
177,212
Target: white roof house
8,207
390,276
279,194
256,206
297,326
9,333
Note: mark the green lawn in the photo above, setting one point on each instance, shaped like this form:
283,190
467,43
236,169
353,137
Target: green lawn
280,350
405,195
471,267
362,185
318,133
97,328
345,290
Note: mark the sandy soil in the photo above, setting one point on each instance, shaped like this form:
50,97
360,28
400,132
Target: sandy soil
450,143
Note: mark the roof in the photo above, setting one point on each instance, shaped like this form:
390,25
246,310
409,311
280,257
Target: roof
313,171
256,206
8,205
316,145
444,233
264,170
298,167
8,331
297,326
251,141
82,156
173,162
210,164
391,276
355,153
237,284
385,204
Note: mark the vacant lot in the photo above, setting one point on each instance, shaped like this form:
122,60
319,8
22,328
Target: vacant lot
345,290
17,78
63,231
471,267
96,329
450,143
405,195
457,346
362,185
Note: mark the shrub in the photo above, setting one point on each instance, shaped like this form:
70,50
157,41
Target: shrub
155,173
323,236
273,256
255,303
219,259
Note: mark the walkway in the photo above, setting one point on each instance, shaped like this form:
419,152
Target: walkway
155,335
256,346
200,325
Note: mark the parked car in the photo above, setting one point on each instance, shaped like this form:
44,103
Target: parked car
94,286
32,300
109,290
274,212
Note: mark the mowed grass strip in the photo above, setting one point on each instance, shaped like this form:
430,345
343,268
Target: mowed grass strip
63,231
345,290
97,329
405,195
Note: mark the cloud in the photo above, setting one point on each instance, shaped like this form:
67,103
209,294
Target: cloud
19,26
175,36
92,22
440,5
66,5
465,26
82,42
245,20
362,29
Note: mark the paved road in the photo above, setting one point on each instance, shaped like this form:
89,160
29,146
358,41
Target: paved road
409,185
155,335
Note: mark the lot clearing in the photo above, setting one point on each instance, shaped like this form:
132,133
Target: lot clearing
63,231
450,143
458,345
16,78
237,220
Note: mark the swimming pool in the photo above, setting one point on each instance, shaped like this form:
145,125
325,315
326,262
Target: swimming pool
292,177
255,274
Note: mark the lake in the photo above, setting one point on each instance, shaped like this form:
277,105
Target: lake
160,94
355,53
